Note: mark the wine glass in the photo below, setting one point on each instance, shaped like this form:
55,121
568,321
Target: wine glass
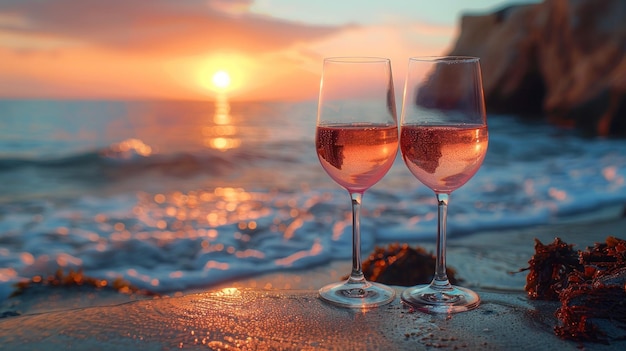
356,139
443,139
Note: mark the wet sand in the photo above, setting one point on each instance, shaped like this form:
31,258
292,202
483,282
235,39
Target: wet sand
282,311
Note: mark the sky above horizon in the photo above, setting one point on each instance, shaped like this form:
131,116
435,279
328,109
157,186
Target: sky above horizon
262,49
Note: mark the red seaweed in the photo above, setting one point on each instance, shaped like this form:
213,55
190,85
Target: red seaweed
549,269
400,264
77,278
590,284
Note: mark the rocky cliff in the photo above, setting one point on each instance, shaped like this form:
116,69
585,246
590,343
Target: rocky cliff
562,59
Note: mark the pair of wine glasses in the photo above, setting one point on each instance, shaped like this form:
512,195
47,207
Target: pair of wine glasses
443,140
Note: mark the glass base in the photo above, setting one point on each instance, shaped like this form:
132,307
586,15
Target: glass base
450,299
362,294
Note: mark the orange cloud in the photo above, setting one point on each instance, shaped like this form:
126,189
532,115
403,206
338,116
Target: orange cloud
186,26
171,49
155,48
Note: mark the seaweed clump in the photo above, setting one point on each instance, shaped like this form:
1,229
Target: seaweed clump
590,284
549,268
77,278
400,264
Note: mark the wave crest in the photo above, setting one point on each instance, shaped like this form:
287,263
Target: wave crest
133,157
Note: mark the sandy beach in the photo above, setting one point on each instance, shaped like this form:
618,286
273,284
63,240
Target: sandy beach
281,310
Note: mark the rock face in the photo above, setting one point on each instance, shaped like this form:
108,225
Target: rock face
563,59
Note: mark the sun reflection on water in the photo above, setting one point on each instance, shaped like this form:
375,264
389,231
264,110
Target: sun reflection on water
221,221
222,135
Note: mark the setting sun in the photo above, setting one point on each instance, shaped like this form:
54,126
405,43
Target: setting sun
221,79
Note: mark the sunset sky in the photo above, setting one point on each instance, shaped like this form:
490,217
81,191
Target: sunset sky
260,49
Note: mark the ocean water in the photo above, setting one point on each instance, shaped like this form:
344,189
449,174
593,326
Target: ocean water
174,195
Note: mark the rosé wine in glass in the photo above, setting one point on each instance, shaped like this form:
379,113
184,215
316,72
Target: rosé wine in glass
357,156
443,139
356,141
444,157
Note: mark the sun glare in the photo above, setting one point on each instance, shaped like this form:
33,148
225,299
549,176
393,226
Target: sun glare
221,79
220,74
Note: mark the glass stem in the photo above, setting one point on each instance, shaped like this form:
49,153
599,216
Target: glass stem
357,273
440,281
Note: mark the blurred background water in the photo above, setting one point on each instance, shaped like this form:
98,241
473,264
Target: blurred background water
175,195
